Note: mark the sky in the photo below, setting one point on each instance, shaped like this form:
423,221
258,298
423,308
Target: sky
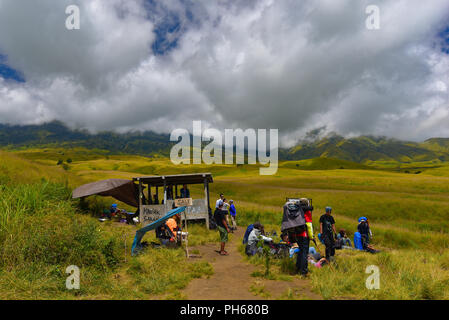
299,66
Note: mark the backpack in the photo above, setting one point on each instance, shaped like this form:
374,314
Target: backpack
293,217
212,222
358,244
247,232
327,227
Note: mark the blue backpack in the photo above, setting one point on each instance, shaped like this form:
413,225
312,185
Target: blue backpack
247,232
358,244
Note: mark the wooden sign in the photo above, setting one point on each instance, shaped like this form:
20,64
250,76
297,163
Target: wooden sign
184,202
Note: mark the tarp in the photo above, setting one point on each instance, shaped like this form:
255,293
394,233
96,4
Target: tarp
120,189
141,232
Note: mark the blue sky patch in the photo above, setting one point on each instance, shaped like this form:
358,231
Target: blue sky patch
169,25
444,35
8,73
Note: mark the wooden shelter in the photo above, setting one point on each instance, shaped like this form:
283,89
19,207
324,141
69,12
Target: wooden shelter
151,208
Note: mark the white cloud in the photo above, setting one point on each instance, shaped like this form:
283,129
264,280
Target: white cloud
292,65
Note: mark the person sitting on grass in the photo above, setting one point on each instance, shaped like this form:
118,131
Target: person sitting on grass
254,237
173,225
113,211
168,232
316,260
343,241
220,220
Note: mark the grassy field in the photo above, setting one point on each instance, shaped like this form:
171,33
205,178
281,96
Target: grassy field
408,209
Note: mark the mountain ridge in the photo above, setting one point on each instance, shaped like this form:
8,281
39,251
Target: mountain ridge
360,149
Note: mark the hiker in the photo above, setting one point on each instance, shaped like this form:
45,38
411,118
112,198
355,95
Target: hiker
364,229
316,260
361,244
167,233
327,230
233,214
173,225
226,208
253,239
297,223
185,192
113,210
343,242
218,201
220,219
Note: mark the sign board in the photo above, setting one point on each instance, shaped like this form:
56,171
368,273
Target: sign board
184,202
151,213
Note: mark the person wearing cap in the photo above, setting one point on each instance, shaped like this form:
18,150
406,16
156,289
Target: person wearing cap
364,229
327,230
113,210
220,220
233,213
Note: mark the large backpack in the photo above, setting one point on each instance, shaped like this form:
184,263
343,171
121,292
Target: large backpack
247,232
293,217
358,243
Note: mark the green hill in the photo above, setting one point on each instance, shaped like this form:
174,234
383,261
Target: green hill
437,144
363,149
322,164
56,134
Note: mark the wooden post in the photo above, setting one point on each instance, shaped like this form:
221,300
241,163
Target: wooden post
140,202
206,199
150,196
140,193
165,195
176,191
187,248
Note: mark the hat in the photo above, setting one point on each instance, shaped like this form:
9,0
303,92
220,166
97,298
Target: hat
231,200
328,209
114,205
362,219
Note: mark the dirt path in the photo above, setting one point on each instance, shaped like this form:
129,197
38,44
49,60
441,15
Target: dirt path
232,278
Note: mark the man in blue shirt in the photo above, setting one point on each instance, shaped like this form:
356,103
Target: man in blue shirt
185,193
233,213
